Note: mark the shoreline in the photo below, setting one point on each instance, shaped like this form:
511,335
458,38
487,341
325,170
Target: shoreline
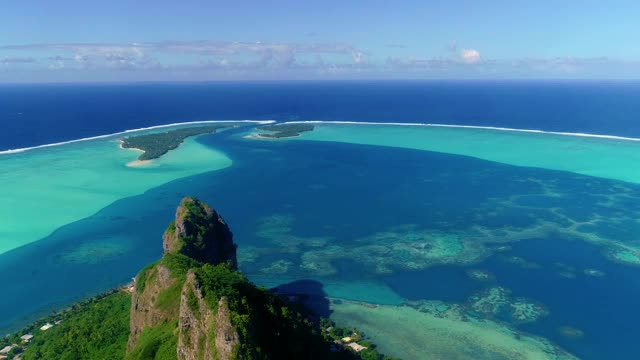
258,136
106,136
477,127
134,163
139,163
265,122
120,141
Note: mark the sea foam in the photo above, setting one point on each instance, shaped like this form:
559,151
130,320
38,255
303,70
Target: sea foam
534,131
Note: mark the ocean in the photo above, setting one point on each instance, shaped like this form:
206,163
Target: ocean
41,114
489,243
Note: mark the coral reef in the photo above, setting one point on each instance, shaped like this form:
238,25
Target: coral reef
623,255
95,252
480,275
440,331
403,247
565,271
594,272
497,302
277,267
570,332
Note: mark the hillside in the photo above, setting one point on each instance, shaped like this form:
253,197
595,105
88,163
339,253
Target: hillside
191,304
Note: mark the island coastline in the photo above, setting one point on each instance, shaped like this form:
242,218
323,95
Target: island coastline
155,145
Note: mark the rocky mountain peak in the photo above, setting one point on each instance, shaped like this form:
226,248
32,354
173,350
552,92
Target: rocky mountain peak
200,233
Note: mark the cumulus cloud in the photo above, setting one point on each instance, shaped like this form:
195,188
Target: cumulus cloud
470,56
358,57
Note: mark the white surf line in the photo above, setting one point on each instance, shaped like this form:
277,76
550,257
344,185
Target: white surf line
14,151
608,137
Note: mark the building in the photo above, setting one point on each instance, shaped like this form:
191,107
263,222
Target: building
356,347
26,337
6,349
46,327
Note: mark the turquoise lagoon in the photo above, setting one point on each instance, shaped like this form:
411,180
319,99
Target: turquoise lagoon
69,181
611,157
457,243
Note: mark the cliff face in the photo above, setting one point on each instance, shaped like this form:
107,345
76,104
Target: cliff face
144,309
198,324
191,304
168,292
200,233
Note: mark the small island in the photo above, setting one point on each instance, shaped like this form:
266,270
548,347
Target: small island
279,131
157,144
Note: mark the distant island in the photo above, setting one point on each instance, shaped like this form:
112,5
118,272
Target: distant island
191,304
157,144
283,130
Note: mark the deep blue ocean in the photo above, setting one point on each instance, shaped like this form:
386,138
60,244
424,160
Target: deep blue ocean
40,114
338,191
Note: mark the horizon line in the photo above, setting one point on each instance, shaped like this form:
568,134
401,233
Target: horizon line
256,81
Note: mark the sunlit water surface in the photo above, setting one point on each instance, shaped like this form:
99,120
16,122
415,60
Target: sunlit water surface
436,242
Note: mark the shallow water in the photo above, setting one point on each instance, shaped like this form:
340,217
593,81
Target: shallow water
385,225
586,155
45,188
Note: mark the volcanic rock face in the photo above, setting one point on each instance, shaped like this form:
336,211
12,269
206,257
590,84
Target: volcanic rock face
144,311
196,323
192,304
200,233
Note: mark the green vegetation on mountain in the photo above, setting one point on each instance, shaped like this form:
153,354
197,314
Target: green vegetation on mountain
155,145
284,130
193,304
157,342
95,330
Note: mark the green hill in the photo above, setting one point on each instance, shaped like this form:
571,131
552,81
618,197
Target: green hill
191,304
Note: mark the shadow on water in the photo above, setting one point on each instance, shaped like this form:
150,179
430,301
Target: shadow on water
310,293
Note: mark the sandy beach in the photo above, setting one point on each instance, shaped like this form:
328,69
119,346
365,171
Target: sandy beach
139,163
135,163
120,142
258,136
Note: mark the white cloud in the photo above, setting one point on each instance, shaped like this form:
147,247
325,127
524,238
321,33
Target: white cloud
470,56
16,60
218,54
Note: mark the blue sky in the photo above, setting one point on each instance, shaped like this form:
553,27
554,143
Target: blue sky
143,40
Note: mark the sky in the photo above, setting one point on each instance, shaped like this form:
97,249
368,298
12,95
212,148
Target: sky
198,40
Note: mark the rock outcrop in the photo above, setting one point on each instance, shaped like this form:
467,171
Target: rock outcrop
191,304
202,332
200,233
226,335
144,310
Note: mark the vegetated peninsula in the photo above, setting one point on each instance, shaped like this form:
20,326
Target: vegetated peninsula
191,304
157,144
283,130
